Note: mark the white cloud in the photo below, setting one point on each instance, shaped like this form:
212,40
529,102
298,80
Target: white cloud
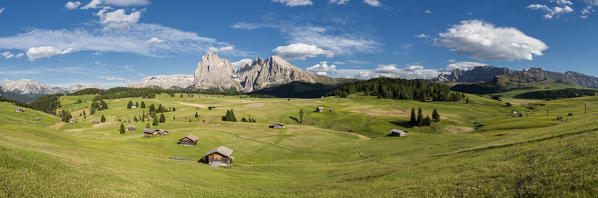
484,41
118,18
251,26
222,49
9,55
92,4
375,3
339,62
322,68
462,66
45,52
111,78
131,40
154,40
339,44
338,2
2,10
422,36
242,62
551,12
72,5
292,3
563,2
127,2
301,51
429,12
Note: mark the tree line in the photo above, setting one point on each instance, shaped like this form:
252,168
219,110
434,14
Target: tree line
420,120
557,94
400,89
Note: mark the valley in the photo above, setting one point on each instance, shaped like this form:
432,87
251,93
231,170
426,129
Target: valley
477,149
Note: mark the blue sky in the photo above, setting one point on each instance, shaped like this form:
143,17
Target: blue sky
113,42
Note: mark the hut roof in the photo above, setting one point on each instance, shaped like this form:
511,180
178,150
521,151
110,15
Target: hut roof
221,150
322,108
192,137
397,131
149,130
130,126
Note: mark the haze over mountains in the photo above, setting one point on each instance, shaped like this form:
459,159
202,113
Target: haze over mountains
215,73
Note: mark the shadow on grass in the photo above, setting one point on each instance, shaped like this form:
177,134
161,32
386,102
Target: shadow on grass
294,118
404,124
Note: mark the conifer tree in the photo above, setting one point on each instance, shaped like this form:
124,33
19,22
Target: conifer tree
435,116
137,104
147,126
420,117
413,119
130,104
173,109
162,118
427,121
197,115
122,128
103,119
134,118
301,116
142,104
155,121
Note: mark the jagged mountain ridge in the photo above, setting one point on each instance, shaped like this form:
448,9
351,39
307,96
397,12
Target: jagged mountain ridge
28,86
492,74
216,73
165,81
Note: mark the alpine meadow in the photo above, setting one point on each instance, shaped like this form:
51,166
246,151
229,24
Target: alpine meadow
298,98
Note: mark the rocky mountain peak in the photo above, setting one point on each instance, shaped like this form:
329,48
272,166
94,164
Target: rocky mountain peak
215,73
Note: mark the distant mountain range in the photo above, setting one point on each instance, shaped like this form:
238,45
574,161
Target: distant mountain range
28,90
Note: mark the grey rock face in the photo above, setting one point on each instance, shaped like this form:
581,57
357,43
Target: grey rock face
477,74
215,73
271,72
165,81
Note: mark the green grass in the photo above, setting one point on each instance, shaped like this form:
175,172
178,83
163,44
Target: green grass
477,150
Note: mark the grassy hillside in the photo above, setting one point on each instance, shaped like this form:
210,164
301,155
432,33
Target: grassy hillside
477,149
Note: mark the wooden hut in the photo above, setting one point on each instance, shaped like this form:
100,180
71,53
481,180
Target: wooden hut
19,110
72,121
319,109
397,133
189,140
277,125
131,128
331,109
211,108
162,132
95,122
217,157
149,132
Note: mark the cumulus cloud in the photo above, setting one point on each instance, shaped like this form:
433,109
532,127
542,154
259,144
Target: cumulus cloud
222,49
45,52
375,3
72,5
9,55
118,18
339,2
551,12
242,62
462,66
422,36
92,4
2,10
429,12
301,51
322,68
484,41
154,40
292,3
131,40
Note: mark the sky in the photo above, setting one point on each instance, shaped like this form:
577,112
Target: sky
115,42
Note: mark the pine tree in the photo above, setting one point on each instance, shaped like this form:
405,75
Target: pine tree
435,116
103,105
420,117
427,121
155,121
122,128
84,113
130,104
103,119
301,116
142,104
413,119
196,115
134,118
467,100
137,104
147,126
232,116
173,109
92,110
162,118
143,117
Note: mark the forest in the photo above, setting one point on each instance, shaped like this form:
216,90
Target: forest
400,89
557,94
